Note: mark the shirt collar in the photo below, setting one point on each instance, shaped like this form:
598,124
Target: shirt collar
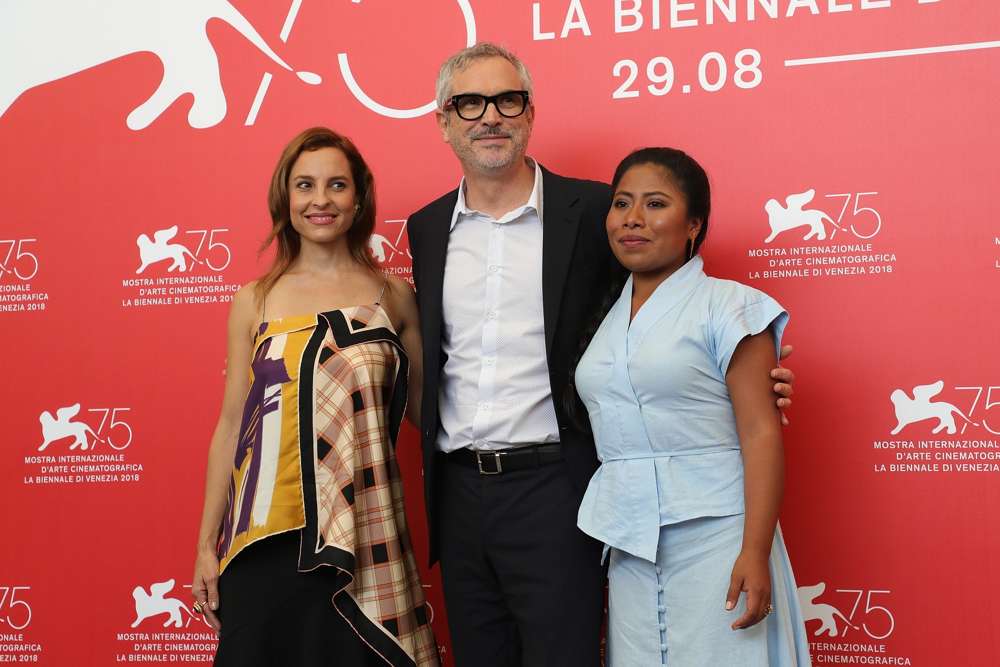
534,201
667,295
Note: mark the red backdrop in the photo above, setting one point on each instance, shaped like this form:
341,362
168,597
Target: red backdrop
871,124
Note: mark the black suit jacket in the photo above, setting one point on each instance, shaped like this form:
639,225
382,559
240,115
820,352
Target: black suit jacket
577,268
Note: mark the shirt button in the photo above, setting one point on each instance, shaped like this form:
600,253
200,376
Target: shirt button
658,570
494,268
659,589
492,315
663,627
661,608
489,361
663,648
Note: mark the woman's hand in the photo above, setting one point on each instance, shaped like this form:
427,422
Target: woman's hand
205,587
751,576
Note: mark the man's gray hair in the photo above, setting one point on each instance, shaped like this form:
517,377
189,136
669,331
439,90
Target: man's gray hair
466,57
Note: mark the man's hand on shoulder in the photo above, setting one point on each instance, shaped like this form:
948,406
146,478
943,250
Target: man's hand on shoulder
783,387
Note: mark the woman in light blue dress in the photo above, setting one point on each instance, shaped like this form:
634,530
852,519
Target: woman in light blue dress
687,495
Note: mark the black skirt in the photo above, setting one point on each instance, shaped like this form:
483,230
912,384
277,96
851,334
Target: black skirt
274,616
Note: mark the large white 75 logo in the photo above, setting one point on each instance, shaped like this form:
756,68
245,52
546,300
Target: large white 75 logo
119,432
18,262
222,250
868,219
8,595
989,403
881,616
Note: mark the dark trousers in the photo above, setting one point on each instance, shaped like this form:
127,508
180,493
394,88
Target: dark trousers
523,586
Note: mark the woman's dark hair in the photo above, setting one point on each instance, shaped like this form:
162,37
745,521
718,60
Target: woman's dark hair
692,181
282,232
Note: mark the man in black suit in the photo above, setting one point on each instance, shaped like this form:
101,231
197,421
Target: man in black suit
503,305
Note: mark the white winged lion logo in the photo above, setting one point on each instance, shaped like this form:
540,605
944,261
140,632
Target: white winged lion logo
45,40
62,426
155,603
158,249
920,407
792,215
825,613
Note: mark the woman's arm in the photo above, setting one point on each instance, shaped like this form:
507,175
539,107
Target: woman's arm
759,427
404,308
242,318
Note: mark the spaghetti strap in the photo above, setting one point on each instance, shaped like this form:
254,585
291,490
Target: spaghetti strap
381,292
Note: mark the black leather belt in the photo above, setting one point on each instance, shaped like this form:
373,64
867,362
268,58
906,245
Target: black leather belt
494,462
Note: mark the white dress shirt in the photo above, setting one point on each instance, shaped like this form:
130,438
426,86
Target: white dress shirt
495,391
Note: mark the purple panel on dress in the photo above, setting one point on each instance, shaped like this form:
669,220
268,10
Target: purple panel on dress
262,399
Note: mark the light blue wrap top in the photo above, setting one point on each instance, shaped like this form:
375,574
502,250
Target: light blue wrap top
659,407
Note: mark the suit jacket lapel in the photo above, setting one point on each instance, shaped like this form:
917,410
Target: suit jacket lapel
561,212
435,253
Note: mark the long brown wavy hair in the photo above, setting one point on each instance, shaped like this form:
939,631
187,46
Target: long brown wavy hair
288,241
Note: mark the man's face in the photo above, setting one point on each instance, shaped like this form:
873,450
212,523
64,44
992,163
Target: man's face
493,142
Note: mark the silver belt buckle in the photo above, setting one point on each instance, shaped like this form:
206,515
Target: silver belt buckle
479,462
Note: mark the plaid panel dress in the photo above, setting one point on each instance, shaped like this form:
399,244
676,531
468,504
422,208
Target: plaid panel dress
316,454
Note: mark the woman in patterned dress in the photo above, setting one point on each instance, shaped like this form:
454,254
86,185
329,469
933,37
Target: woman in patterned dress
303,553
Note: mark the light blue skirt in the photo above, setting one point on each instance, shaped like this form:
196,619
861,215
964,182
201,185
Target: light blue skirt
673,613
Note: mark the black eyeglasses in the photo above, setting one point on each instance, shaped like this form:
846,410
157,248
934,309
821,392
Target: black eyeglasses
472,106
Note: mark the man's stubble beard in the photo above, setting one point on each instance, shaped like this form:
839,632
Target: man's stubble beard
493,160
